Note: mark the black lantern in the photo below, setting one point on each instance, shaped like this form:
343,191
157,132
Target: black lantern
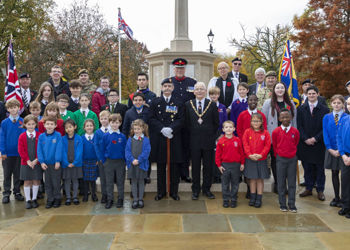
210,39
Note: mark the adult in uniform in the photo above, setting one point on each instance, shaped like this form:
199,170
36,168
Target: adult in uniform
166,121
28,95
183,91
88,87
202,120
236,68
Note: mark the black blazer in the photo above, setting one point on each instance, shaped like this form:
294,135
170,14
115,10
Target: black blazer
202,135
118,109
310,125
132,115
241,77
2,112
33,95
73,106
252,89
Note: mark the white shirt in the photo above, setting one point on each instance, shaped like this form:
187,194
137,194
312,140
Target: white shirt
63,113
33,133
288,128
234,75
313,105
252,111
235,82
76,100
165,98
44,102
104,129
86,111
91,136
111,131
242,99
339,113
136,138
26,92
200,101
13,118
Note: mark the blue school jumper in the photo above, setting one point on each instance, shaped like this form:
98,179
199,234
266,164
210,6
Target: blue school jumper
113,146
9,134
50,148
90,169
330,130
78,151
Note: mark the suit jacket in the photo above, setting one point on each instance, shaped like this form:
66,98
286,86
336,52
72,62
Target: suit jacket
252,89
72,105
33,95
320,99
310,125
202,135
118,109
163,115
132,115
2,111
241,77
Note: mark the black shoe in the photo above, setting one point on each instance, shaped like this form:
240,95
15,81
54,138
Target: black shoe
247,195
134,205
76,201
334,202
140,204
195,196
225,204
28,205
68,202
158,197
186,179
5,199
131,196
217,180
57,203
344,211
19,197
303,184
85,198
109,204
120,203
104,199
233,204
252,199
175,197
35,204
49,204
209,195
258,201
347,216
340,204
40,196
147,180
94,197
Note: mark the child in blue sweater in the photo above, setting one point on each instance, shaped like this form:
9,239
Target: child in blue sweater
90,168
72,160
50,156
137,152
113,151
11,128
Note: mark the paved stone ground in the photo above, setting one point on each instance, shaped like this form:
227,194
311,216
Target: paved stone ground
167,224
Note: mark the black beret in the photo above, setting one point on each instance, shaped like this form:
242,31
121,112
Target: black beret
347,84
306,81
236,59
179,62
24,75
167,80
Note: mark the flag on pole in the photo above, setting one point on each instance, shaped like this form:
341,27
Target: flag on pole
12,88
123,26
287,74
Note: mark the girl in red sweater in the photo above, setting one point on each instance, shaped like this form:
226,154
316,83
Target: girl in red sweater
52,110
30,171
256,144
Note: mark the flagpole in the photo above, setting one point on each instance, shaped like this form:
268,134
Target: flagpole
120,67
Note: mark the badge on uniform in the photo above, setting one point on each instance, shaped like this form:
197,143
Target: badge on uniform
171,109
262,137
220,110
53,140
114,142
293,136
235,144
120,140
190,89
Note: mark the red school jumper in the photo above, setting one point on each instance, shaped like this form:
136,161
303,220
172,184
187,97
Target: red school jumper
23,147
243,122
285,144
229,150
256,142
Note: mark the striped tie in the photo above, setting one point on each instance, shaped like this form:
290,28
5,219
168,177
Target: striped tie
24,97
336,119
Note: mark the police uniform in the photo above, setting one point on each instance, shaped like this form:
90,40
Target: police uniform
163,114
183,92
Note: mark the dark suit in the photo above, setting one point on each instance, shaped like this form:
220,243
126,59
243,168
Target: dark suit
241,77
320,99
202,142
73,106
132,115
253,90
312,156
33,95
118,109
2,112
170,115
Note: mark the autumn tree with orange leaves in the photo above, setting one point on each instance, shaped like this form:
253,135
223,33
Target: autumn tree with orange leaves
322,41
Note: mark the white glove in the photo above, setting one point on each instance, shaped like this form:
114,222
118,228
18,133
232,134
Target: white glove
170,136
166,131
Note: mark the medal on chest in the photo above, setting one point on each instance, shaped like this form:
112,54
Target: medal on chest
200,120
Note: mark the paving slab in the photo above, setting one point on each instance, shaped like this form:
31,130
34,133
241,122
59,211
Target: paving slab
116,223
60,224
205,223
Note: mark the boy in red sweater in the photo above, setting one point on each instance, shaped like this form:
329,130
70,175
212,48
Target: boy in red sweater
285,139
229,158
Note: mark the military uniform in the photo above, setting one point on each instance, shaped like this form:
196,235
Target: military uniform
263,94
163,114
89,89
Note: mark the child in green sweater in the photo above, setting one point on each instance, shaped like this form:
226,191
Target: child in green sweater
84,113
63,102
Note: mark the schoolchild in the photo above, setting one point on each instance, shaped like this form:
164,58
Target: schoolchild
72,161
35,109
333,159
285,139
256,143
45,96
84,113
137,152
90,161
240,104
62,103
31,172
11,128
52,110
229,158
49,153
75,88
113,151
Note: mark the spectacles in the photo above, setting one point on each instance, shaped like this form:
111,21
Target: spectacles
113,95
256,121
222,68
199,89
237,64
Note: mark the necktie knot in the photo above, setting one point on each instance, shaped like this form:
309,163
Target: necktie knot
89,137
336,119
31,136
14,120
106,130
200,107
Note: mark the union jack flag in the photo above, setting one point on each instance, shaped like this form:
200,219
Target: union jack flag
287,74
123,26
12,88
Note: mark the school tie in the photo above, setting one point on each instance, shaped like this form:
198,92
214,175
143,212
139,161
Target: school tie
336,119
106,129
31,136
14,121
76,101
24,97
84,114
89,138
199,107
285,130
311,108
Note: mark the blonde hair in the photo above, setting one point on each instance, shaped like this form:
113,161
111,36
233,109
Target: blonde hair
30,118
104,113
139,123
214,91
34,105
52,106
12,103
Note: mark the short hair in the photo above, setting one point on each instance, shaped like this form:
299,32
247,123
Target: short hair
223,63
12,103
50,119
139,94
115,117
113,90
52,106
243,84
339,97
285,110
214,91
75,83
312,87
260,70
253,95
62,97
56,67
89,120
30,117
140,123
85,95
69,121
200,84
104,113
142,74
34,105
104,78
228,122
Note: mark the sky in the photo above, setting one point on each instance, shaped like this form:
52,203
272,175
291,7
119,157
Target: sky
152,21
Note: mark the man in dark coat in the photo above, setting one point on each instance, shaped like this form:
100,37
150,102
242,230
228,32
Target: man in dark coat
28,95
259,77
235,73
58,84
202,120
166,120
113,105
311,148
142,87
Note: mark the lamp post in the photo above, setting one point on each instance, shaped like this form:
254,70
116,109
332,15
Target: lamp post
210,39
